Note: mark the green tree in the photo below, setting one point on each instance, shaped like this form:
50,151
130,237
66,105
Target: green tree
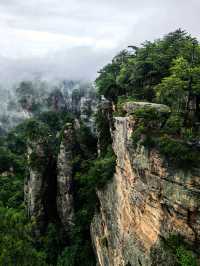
136,73
181,90
16,246
106,82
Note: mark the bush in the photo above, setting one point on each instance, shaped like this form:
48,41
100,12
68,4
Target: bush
103,130
181,250
90,175
178,151
10,162
174,124
168,135
11,191
87,141
147,121
185,257
16,242
67,258
101,170
55,120
137,134
148,114
120,102
36,130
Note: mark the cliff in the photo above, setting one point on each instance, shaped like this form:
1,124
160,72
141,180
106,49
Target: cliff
48,188
146,202
64,178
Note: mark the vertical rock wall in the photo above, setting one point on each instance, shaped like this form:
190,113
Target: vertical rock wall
48,189
35,186
146,201
64,178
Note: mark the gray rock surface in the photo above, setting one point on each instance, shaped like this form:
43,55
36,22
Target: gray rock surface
64,178
131,107
146,201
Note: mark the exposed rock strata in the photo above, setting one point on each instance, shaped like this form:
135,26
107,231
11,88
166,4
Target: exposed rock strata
64,178
48,189
35,187
145,202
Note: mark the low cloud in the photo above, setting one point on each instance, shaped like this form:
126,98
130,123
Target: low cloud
74,39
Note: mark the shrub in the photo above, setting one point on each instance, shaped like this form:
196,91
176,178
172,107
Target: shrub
137,134
178,151
103,129
174,124
181,250
37,130
92,174
147,120
87,140
169,136
102,169
120,102
16,242
185,257
148,114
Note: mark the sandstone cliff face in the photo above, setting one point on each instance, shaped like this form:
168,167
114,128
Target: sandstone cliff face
64,178
145,202
35,187
48,188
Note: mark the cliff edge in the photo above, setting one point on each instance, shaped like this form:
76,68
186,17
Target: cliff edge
147,201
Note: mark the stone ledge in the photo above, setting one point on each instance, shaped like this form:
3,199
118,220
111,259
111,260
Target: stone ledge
131,107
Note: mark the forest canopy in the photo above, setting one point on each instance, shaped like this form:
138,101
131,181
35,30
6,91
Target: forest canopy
172,62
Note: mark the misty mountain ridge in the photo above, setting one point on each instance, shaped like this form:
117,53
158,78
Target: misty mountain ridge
28,98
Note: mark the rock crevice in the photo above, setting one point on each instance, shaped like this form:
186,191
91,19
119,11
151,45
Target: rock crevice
48,188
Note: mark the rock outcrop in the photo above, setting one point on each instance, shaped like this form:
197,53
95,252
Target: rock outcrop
130,107
37,184
64,178
48,189
146,201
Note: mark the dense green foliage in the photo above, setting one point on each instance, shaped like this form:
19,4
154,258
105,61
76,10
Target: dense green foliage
166,132
18,244
103,129
90,172
107,81
16,238
54,247
136,73
182,251
165,71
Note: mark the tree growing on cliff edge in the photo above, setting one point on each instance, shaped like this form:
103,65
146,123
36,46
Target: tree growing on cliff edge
137,73
181,89
106,83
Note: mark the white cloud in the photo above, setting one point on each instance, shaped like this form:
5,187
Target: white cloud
52,36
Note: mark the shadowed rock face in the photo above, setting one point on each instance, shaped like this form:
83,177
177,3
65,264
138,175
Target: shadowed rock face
145,202
48,189
41,188
64,178
34,189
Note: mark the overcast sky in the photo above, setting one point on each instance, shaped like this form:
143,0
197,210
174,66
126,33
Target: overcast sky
73,39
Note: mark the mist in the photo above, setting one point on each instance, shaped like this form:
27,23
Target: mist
81,63
73,40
